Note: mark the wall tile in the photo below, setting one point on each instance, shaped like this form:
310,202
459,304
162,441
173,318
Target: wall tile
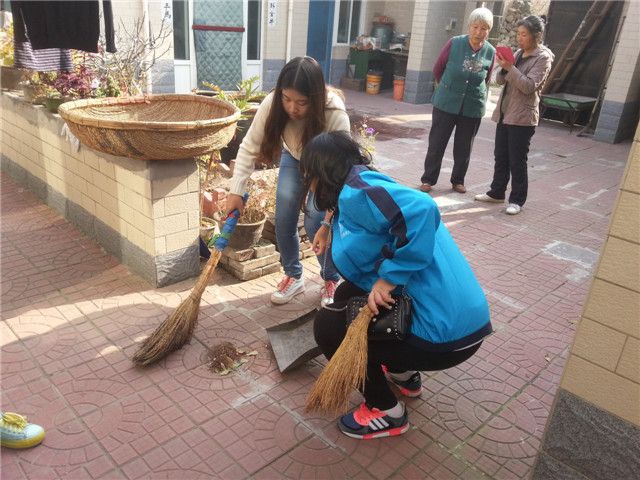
626,219
602,388
619,263
629,364
614,306
598,344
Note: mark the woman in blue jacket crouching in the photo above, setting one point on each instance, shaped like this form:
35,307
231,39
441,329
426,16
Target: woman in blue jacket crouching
387,238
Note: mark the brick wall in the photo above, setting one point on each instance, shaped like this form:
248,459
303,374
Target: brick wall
144,212
594,427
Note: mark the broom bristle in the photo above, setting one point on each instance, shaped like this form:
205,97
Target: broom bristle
176,330
345,371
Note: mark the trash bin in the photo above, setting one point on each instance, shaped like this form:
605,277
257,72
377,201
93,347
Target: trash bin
398,88
374,79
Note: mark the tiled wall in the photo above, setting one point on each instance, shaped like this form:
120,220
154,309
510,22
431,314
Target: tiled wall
604,365
599,395
428,36
149,208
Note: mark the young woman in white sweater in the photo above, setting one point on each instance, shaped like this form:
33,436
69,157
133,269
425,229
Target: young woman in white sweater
300,107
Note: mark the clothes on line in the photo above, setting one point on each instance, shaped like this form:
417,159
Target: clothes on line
63,24
44,60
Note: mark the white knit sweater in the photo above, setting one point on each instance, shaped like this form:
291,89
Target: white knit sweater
336,119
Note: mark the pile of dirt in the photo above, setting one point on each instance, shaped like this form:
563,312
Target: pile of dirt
225,358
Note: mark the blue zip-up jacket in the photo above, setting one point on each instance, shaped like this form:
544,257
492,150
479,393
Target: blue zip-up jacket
386,230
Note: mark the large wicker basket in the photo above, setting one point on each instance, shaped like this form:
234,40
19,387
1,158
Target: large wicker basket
155,127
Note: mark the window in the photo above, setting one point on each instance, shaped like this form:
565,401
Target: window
348,20
254,8
181,30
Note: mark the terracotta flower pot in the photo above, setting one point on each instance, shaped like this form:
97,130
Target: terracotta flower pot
10,77
32,95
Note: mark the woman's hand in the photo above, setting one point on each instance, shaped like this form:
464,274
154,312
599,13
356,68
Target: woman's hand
234,202
380,295
321,240
503,62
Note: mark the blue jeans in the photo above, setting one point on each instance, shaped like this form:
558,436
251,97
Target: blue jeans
288,200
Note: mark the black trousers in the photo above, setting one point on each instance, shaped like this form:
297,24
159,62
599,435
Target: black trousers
330,328
511,149
441,128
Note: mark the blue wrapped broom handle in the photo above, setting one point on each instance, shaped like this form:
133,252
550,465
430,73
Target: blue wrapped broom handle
222,239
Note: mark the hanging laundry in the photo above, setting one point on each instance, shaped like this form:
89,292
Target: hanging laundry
44,60
63,24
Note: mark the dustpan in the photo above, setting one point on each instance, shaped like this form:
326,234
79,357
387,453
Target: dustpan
293,343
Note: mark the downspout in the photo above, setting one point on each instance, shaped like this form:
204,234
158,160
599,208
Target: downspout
289,31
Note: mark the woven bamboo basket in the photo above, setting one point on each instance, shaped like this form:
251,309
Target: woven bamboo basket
155,127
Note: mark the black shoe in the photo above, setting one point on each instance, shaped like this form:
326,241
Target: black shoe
408,388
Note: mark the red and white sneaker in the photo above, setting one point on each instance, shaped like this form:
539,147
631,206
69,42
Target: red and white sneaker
288,288
328,292
365,423
409,388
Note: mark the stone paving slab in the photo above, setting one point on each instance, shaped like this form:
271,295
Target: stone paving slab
72,317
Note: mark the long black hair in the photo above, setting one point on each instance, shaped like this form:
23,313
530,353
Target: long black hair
329,158
304,75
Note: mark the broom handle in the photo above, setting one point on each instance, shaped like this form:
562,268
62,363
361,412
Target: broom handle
221,242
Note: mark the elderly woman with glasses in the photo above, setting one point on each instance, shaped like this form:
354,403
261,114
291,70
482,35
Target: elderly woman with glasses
462,72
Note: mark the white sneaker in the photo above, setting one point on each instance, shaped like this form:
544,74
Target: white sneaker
328,292
513,209
288,288
483,197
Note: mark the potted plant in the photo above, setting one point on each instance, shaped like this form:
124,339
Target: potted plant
37,86
10,76
261,202
79,83
247,97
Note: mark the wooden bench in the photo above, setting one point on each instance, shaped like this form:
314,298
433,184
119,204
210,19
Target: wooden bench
567,102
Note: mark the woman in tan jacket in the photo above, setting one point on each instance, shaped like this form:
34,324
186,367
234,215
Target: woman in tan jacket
517,113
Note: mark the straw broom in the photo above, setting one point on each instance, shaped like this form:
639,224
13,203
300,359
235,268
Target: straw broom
346,370
177,329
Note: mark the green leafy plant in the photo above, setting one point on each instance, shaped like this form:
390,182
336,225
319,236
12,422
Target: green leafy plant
39,85
6,46
244,97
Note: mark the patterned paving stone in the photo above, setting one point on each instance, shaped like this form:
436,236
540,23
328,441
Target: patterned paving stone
72,317
55,343
68,444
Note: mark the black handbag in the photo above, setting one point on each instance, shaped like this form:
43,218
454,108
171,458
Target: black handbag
389,324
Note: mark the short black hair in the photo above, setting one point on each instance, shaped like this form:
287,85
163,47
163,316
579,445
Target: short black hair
329,158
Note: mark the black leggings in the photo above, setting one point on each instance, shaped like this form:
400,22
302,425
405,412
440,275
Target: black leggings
330,328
